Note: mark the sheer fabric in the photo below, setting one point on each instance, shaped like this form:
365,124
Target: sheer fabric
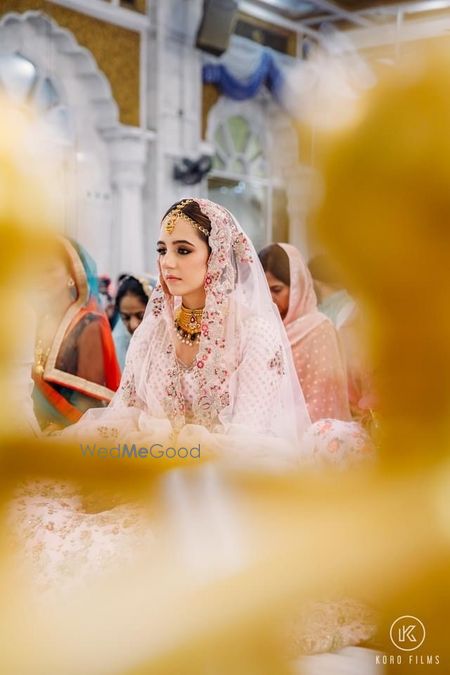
66,545
337,443
315,346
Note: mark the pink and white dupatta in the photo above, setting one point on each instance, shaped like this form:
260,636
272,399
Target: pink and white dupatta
314,345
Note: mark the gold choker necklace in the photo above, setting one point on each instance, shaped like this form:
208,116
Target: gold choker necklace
188,325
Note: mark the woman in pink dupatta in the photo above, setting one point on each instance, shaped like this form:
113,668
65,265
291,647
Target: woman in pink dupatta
312,336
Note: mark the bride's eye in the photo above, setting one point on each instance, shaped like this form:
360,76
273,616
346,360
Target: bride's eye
183,251
160,251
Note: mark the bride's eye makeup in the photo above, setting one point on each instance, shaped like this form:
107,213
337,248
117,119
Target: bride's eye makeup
161,247
181,251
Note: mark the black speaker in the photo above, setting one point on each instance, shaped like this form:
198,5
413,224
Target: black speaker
216,25
191,172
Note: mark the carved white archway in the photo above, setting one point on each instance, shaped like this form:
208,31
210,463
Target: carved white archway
98,175
56,53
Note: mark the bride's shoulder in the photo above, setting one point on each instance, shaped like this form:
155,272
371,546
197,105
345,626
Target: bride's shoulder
259,329
257,321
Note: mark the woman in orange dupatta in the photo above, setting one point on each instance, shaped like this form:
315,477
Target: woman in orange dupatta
75,362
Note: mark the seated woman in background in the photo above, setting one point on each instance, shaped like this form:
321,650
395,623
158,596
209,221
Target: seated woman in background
105,297
311,334
333,299
75,362
338,305
131,301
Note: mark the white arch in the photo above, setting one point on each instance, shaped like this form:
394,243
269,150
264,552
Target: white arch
88,166
56,53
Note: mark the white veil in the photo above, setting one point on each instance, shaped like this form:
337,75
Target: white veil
246,385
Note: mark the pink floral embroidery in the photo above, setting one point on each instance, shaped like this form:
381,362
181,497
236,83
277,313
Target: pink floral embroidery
242,249
277,363
204,403
225,399
158,302
334,445
325,426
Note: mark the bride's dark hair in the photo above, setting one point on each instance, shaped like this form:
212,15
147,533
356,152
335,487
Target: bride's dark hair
193,210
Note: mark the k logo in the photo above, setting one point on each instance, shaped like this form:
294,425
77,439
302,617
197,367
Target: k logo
407,633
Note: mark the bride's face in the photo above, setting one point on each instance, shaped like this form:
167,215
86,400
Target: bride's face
183,257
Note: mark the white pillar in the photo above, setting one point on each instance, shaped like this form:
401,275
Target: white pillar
299,186
178,88
128,152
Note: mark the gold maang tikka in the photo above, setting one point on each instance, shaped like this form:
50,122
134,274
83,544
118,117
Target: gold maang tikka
178,213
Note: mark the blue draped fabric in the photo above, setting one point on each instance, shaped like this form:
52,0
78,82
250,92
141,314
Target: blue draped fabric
267,74
90,269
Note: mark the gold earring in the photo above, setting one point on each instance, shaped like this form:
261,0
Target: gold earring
70,282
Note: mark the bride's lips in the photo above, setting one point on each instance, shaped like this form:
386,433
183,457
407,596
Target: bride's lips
171,278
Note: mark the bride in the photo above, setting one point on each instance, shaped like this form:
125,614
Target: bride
210,366
210,363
